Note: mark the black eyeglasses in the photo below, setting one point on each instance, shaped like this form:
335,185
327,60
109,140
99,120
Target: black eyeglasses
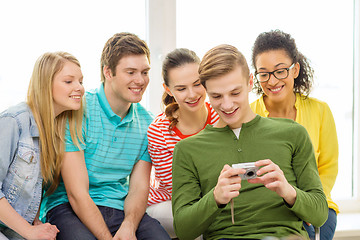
281,73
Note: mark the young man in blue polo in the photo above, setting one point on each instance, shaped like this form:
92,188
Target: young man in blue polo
105,184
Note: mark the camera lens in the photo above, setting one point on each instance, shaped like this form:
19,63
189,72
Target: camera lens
250,174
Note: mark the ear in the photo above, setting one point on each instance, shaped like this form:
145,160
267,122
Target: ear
296,70
167,90
107,72
251,82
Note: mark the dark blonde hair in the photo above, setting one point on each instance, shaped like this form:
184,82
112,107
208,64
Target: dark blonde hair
121,45
51,128
175,59
220,61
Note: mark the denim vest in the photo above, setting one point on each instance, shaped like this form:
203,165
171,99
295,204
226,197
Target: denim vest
20,174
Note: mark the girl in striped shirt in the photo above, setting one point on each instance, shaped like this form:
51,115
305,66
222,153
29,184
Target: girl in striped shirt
186,113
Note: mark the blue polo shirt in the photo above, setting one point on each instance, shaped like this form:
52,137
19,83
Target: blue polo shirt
111,148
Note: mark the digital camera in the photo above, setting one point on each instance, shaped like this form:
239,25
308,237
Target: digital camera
250,168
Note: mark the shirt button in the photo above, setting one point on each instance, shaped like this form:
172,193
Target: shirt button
239,150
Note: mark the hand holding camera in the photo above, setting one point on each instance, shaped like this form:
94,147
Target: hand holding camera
273,178
270,175
228,184
250,169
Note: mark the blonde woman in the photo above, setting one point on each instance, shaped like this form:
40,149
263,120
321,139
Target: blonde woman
32,137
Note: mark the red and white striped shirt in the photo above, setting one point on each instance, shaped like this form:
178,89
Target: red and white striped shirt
161,148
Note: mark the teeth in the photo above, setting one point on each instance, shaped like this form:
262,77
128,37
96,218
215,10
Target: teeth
136,89
275,89
229,112
75,97
194,101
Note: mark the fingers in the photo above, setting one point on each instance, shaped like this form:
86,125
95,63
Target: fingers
267,166
224,195
230,178
228,195
56,229
273,178
228,172
51,228
270,174
225,168
228,185
263,162
46,231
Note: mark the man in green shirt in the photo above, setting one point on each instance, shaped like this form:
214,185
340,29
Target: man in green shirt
287,190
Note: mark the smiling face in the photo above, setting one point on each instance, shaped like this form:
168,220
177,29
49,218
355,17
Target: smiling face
67,89
277,90
129,82
185,87
228,96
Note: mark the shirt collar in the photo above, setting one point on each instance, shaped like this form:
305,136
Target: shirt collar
109,112
130,115
251,122
243,126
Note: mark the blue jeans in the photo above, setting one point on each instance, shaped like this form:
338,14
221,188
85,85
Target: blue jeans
72,228
327,230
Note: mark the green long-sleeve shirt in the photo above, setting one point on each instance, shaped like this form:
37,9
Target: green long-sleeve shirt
259,212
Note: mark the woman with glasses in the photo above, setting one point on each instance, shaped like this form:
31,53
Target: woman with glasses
283,76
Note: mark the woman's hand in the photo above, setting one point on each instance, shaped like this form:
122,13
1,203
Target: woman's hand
42,231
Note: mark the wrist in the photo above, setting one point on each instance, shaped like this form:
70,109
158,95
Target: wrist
26,231
217,201
290,197
106,235
129,224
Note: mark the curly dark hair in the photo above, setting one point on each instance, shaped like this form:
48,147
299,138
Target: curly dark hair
278,40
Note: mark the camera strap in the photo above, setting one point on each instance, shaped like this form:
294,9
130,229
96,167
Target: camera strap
232,210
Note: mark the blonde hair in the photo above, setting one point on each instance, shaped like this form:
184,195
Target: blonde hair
220,61
51,128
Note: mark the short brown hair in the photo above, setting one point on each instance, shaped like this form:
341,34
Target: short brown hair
121,45
220,61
